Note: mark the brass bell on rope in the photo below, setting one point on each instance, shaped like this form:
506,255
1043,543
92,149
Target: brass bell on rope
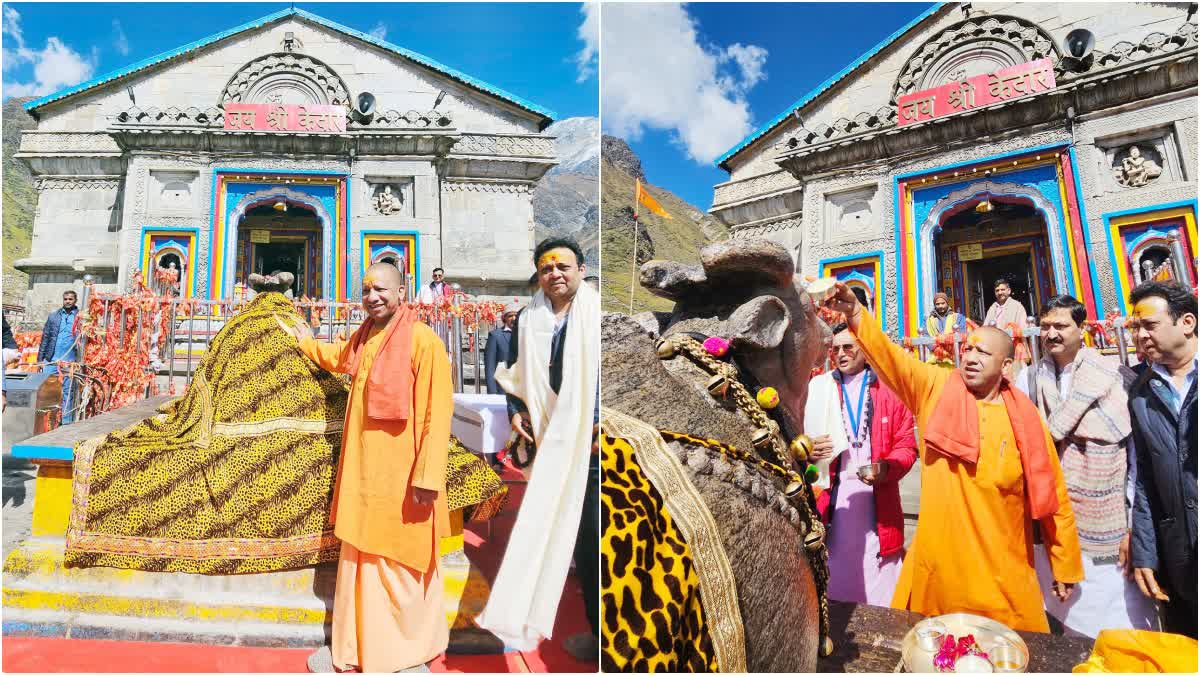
815,539
801,447
793,489
718,384
826,647
761,439
665,349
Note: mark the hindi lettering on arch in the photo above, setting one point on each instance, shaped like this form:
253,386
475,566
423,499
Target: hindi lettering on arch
285,118
1025,79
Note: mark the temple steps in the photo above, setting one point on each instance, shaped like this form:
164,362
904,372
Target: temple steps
42,598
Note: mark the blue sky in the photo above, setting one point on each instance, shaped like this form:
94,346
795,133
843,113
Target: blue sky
528,49
683,84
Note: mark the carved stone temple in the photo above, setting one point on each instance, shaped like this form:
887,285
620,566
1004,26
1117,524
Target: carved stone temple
1053,144
289,143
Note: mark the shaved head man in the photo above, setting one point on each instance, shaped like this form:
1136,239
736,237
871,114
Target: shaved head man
989,465
986,356
390,510
382,287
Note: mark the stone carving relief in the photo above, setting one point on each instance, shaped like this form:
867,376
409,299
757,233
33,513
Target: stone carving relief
1136,166
480,186
77,183
997,40
511,146
821,133
391,197
760,229
289,78
1153,44
751,187
851,215
59,141
172,190
1140,158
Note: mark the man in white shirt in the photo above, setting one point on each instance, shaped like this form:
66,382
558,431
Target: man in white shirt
435,290
1005,310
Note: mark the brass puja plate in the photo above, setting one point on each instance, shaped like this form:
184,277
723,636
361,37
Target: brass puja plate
990,635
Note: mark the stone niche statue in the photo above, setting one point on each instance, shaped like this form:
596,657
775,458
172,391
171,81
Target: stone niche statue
387,201
1136,170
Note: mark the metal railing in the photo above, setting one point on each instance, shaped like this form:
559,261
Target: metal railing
192,325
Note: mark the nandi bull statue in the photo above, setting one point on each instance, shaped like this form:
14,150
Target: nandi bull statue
713,553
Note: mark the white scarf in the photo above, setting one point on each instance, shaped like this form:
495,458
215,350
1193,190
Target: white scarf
524,598
823,416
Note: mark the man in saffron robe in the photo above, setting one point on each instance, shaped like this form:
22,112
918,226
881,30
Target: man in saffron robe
943,321
389,504
989,470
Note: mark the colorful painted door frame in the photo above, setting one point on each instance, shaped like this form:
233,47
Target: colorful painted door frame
861,270
404,244
1129,231
1045,176
182,241
237,190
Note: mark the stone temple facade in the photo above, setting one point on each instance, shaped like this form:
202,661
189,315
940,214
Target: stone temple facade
1051,144
255,150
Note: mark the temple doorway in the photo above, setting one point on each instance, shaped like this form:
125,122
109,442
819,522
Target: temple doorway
281,236
990,238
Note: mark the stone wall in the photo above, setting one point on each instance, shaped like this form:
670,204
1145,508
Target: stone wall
848,207
200,80
871,86
1169,126
96,197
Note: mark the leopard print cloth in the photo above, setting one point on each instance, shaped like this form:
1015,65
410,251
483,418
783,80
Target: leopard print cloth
236,475
650,593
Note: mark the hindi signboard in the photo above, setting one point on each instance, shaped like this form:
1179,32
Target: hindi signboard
1024,79
260,236
276,117
970,252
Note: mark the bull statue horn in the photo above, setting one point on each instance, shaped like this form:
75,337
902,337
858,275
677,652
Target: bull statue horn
742,258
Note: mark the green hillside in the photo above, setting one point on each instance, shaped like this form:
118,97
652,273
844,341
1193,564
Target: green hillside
19,200
679,238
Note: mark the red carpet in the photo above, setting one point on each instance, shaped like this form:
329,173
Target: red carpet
51,655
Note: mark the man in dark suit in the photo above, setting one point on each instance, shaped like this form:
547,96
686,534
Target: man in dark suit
497,347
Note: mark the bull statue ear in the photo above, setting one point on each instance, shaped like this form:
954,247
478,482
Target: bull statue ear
759,324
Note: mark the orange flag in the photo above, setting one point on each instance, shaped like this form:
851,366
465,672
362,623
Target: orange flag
649,202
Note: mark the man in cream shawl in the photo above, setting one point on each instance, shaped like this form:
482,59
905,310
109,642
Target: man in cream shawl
552,376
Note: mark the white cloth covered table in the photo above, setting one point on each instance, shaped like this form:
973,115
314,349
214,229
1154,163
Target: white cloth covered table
481,422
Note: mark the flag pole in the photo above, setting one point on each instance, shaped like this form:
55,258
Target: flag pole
633,277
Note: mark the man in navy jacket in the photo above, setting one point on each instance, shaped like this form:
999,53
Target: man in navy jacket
1162,406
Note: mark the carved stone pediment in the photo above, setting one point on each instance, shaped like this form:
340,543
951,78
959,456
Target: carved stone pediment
286,78
974,47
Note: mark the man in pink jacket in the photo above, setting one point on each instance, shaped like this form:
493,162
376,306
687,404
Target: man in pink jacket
860,424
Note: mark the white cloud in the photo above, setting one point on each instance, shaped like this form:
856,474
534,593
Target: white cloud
55,66
589,33
379,32
658,75
120,42
750,60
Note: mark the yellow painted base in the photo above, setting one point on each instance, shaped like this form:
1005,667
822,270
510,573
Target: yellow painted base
35,580
454,542
52,499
